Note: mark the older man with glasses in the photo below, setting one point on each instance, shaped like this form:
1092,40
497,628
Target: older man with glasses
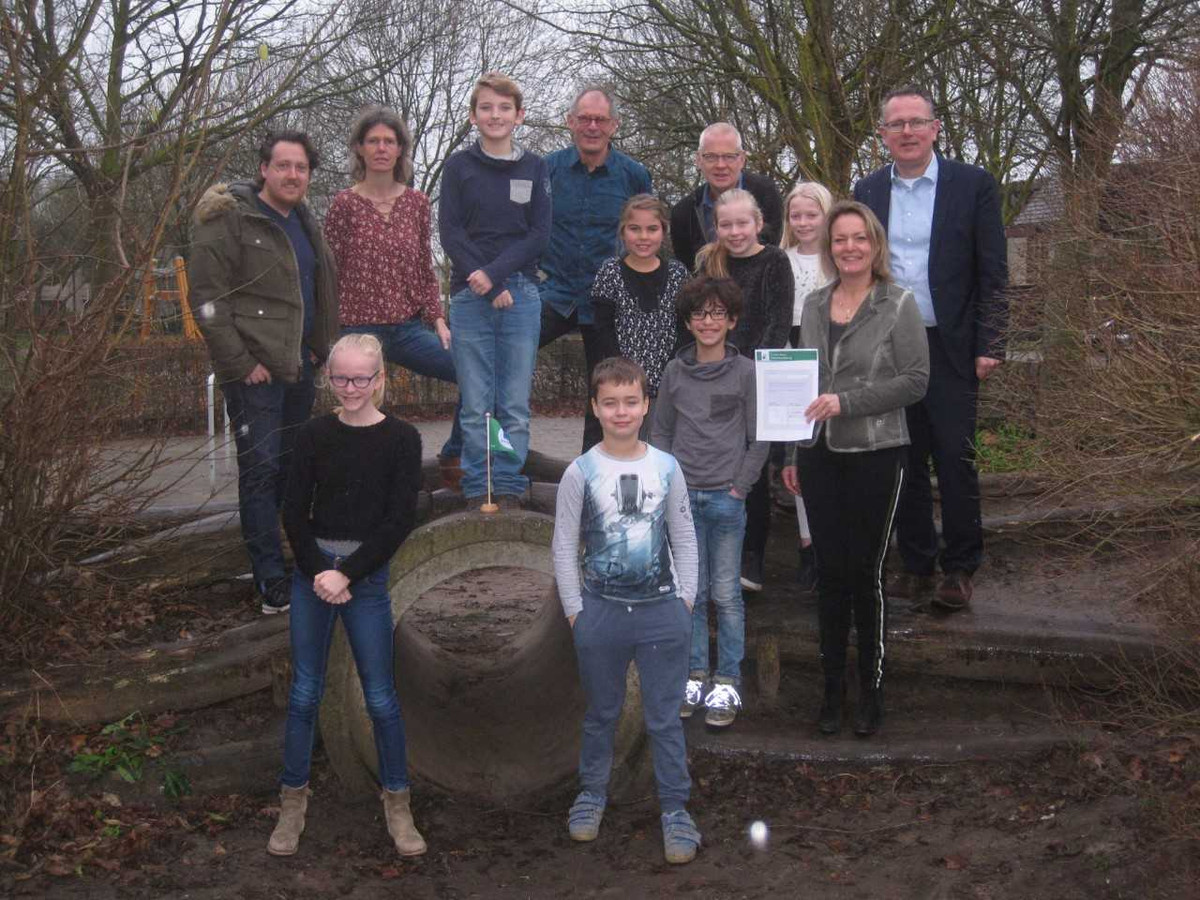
589,184
721,159
947,245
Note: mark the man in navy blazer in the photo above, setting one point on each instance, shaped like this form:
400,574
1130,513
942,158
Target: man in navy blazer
947,245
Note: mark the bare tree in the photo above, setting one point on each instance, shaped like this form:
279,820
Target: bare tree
1079,68
113,113
800,77
422,59
117,87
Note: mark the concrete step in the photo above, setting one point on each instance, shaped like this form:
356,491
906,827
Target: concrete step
927,720
977,645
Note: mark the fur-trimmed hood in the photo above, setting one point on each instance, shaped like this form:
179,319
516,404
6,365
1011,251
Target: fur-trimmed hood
245,286
221,198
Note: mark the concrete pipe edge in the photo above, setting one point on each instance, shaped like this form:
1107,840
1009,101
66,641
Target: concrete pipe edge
502,751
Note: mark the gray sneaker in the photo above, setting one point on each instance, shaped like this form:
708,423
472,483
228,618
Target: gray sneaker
721,706
681,838
583,819
693,698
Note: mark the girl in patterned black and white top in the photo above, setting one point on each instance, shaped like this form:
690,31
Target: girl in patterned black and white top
804,213
633,296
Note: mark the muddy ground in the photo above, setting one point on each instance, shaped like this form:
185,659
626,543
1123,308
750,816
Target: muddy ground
1097,819
1078,822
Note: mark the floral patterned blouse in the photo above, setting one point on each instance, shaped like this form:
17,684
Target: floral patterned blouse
385,265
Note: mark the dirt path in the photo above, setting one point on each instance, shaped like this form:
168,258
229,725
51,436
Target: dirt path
1068,825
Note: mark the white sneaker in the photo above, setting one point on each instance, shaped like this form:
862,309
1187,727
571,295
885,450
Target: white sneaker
693,698
721,706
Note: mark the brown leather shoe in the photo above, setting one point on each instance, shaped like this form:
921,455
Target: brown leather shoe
910,586
954,593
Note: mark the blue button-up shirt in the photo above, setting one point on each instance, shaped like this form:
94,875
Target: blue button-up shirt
910,224
583,230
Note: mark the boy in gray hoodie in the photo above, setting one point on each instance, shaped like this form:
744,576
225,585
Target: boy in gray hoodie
705,418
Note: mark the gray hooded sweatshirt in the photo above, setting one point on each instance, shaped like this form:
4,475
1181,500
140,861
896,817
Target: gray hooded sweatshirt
705,417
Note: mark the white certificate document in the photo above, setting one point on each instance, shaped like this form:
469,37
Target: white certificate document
786,382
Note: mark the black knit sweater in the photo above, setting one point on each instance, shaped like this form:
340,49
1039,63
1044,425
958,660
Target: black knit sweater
352,483
767,297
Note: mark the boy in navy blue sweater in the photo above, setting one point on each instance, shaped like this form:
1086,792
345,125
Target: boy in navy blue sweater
494,217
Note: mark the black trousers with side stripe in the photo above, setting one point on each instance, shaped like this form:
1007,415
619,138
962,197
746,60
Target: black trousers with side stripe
851,502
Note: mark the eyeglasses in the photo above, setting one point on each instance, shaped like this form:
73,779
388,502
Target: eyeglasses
913,125
593,121
359,381
728,158
284,168
698,315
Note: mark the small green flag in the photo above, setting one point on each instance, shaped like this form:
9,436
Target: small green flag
498,441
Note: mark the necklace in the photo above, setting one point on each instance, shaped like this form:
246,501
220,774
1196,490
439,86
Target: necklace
383,204
843,308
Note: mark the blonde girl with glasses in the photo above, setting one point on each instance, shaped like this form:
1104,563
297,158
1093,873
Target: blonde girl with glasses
351,500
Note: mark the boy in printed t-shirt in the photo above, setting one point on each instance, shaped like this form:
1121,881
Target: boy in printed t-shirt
629,504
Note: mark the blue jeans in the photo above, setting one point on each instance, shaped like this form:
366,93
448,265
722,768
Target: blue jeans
495,351
608,634
367,619
414,346
720,520
265,419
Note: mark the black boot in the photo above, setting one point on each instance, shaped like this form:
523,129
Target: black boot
869,714
829,720
806,577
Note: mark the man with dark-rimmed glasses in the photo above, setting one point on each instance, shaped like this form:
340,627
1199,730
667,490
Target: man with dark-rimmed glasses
947,245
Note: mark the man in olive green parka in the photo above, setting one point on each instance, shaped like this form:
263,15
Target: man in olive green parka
264,287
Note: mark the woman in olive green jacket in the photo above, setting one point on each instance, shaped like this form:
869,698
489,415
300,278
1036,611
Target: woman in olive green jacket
873,362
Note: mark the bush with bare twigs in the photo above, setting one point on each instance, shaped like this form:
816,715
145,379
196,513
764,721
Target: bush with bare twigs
1118,407
1118,403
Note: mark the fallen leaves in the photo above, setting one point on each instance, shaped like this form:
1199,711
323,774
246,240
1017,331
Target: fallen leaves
954,862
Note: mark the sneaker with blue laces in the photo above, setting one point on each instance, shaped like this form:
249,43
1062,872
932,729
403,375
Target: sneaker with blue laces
681,838
583,820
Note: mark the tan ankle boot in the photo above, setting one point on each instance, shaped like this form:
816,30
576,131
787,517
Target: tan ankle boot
400,823
293,803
